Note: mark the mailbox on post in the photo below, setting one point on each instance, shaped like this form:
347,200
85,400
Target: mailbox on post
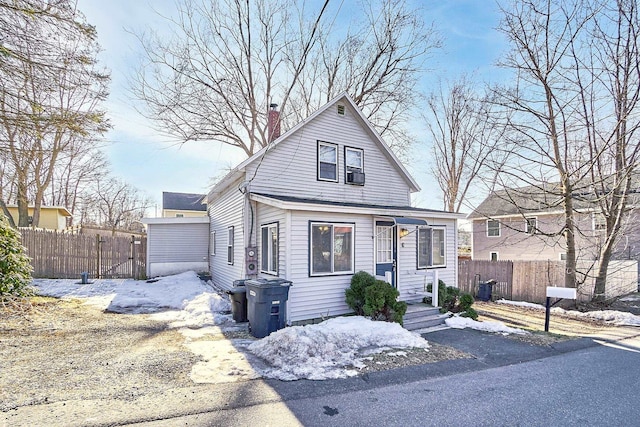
560,293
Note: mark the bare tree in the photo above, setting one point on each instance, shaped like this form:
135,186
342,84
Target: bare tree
50,89
541,144
462,138
614,61
115,204
214,77
574,114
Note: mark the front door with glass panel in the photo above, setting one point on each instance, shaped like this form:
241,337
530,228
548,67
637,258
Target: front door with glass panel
386,249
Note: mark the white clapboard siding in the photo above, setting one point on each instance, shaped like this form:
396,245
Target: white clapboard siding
226,211
290,168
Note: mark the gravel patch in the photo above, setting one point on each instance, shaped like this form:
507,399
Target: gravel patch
62,350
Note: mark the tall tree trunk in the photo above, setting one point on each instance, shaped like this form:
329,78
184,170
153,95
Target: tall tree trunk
5,210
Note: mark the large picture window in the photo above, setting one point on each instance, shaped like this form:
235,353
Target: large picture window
230,247
431,247
269,252
327,161
331,248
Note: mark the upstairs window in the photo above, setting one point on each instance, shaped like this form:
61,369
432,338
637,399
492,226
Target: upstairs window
327,161
493,228
599,221
353,159
531,225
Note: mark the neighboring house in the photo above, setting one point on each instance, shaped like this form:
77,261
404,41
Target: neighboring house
183,205
526,224
325,200
51,217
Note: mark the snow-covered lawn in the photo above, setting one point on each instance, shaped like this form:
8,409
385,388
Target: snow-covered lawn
618,318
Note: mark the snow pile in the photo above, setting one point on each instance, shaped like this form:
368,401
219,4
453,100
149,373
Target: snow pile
521,304
194,302
618,318
459,322
204,309
328,349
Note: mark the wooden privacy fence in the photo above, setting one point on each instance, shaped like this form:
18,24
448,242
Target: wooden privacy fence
528,280
471,273
64,256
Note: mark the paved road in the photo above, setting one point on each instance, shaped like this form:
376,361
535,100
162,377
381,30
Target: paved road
580,383
508,383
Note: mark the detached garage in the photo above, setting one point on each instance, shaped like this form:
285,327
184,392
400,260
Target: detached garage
176,245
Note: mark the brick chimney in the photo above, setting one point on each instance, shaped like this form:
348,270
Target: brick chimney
273,122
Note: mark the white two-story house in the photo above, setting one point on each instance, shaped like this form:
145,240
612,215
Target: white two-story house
325,200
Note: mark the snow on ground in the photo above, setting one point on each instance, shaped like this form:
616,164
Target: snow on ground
618,318
334,348
182,299
460,322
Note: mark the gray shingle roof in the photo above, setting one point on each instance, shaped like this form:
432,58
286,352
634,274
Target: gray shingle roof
539,198
183,201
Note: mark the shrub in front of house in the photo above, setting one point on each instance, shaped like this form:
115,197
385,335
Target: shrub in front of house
15,266
355,295
376,299
466,301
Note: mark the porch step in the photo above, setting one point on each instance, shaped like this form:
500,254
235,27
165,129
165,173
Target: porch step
422,316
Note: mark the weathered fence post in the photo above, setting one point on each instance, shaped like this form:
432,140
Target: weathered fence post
99,256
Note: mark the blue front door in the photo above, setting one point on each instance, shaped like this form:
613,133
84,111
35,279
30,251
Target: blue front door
386,249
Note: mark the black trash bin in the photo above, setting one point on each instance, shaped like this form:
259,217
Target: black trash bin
267,305
238,296
485,289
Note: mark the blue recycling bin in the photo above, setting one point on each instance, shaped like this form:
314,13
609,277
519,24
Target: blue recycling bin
485,290
267,305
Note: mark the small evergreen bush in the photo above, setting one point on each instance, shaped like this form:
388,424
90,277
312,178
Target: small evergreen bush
450,299
376,299
355,296
15,266
381,303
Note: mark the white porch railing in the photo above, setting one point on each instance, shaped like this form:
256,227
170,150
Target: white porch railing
430,278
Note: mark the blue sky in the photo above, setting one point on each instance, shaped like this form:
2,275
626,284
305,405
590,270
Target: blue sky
153,163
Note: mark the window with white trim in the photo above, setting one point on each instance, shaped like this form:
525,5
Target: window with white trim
269,252
563,256
599,221
230,246
331,248
431,247
531,225
493,228
493,256
212,243
327,161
